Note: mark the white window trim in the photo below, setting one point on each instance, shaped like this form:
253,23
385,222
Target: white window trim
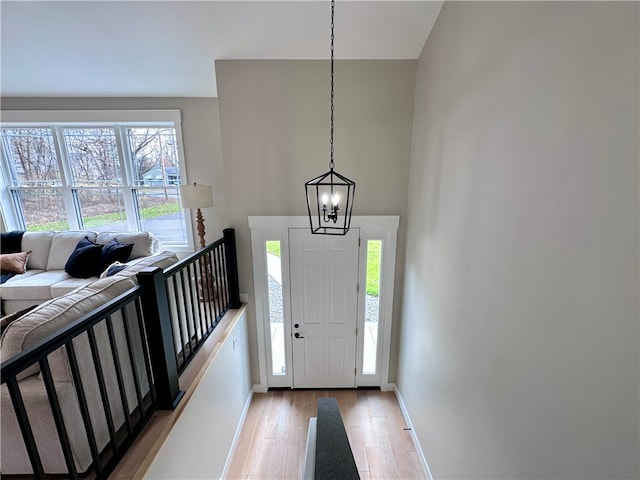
94,118
88,117
258,244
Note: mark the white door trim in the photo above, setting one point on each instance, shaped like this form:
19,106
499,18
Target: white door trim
259,254
265,228
389,237
279,222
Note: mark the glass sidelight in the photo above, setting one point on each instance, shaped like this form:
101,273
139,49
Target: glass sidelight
276,307
372,307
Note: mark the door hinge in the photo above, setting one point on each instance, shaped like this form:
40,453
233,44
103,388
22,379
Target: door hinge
355,371
356,331
359,240
358,288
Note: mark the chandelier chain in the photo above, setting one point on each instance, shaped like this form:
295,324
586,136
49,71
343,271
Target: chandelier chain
330,196
333,4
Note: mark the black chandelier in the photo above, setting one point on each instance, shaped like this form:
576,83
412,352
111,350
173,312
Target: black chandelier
327,192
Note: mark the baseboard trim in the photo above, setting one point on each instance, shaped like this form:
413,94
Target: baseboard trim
259,388
412,431
236,435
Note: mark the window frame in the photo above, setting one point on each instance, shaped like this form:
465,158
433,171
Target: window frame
120,121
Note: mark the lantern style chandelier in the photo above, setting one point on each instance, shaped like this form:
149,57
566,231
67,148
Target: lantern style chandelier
330,196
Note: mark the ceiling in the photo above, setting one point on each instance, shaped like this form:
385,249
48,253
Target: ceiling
168,48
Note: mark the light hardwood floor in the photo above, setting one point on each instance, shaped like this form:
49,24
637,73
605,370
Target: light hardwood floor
273,439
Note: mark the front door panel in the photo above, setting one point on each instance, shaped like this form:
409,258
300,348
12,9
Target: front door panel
324,278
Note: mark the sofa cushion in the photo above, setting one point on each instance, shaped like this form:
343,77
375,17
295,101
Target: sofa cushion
63,245
39,243
14,262
161,260
15,460
144,243
84,261
17,278
10,306
68,285
55,314
36,285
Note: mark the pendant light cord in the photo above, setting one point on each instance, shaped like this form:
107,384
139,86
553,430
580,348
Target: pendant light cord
333,4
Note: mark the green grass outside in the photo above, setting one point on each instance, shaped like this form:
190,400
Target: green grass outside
97,220
273,247
374,248
62,225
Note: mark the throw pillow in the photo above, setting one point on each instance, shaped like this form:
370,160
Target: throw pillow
114,251
84,260
112,269
14,262
10,242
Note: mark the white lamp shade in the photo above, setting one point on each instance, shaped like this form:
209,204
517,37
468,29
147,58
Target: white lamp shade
196,196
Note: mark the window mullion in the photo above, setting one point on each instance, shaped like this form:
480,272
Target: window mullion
183,173
71,205
11,216
128,190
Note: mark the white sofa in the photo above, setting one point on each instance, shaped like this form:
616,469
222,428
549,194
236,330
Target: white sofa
46,278
45,320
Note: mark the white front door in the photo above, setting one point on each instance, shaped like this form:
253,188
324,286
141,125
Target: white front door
324,303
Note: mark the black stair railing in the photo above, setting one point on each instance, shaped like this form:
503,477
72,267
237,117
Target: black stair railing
123,362
112,391
198,292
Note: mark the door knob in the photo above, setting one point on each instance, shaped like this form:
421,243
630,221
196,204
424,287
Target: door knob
296,325
297,335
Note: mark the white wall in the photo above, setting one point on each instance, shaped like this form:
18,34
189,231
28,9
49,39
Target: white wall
519,349
200,442
274,121
200,132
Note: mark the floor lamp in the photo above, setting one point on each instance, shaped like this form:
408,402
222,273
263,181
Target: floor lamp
200,196
197,196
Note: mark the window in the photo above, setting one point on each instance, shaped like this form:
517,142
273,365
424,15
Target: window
101,176
372,307
276,307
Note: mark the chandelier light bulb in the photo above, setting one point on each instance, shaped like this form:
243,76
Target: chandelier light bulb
335,199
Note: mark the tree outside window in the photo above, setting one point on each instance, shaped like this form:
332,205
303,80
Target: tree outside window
107,178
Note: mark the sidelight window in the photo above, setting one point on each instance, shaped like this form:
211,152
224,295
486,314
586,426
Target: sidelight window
276,307
372,307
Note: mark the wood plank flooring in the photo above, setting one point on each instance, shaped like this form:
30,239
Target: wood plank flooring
273,438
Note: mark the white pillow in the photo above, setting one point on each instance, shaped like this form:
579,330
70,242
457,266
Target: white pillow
63,245
144,243
40,244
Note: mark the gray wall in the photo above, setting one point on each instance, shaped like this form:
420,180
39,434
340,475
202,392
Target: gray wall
519,347
275,136
200,132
